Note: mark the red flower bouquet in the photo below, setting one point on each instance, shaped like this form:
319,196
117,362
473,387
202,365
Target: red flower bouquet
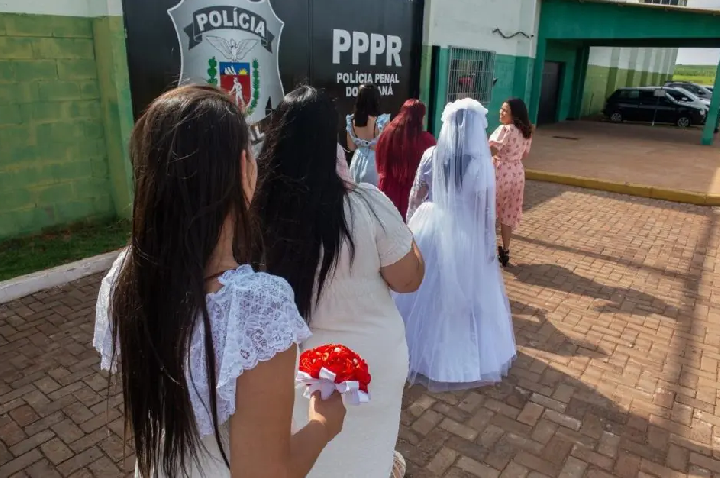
332,367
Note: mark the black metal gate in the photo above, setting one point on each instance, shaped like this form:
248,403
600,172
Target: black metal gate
550,92
236,44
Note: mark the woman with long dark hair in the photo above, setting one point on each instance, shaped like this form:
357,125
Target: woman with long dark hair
205,347
363,128
510,144
342,247
399,150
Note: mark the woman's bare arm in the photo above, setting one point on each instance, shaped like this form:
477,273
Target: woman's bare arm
405,275
350,143
260,442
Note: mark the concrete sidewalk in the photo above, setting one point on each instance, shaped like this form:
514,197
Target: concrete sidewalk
659,162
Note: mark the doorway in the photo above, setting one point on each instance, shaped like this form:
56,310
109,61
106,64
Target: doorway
550,92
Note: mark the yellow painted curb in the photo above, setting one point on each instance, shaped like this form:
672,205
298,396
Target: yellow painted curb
713,200
673,195
641,190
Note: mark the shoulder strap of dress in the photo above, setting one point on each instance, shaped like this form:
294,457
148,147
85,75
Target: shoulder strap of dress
349,127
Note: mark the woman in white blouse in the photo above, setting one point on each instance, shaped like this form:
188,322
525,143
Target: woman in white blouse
205,347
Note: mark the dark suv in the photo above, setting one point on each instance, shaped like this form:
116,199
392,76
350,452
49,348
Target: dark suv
652,104
702,92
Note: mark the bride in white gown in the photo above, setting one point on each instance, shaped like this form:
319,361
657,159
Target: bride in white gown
458,324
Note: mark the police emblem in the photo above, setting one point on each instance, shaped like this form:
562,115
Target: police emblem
232,44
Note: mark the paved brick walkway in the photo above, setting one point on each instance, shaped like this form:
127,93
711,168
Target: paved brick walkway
616,305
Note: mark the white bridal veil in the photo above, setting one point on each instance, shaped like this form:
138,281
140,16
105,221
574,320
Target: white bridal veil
458,323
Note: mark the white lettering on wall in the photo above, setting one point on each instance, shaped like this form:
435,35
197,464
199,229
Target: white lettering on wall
377,47
394,45
360,43
341,43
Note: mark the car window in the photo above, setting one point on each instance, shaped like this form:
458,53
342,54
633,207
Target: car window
628,94
695,89
647,95
679,94
689,95
705,92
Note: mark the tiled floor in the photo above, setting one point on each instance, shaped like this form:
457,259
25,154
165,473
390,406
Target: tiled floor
660,156
616,306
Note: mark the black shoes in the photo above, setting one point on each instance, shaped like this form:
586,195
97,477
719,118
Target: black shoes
503,256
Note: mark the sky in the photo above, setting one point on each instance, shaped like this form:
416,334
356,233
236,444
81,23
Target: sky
700,56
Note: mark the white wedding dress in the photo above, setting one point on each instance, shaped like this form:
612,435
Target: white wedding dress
458,324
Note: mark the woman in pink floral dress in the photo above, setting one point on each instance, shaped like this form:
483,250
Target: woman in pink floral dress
510,145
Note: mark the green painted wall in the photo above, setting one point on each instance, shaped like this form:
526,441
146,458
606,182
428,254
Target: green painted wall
53,159
109,35
425,74
602,81
567,55
596,86
65,119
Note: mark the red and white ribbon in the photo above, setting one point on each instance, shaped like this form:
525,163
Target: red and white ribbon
350,390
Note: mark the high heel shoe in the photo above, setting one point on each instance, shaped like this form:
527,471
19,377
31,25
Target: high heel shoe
503,256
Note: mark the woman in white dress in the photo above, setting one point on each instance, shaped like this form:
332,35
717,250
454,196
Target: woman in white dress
458,324
341,247
205,347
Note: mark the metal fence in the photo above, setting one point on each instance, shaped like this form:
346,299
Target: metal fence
470,74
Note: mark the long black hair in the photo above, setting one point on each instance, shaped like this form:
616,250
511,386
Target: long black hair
186,154
300,197
521,118
367,104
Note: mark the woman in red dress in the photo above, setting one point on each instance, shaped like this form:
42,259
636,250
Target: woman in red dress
398,153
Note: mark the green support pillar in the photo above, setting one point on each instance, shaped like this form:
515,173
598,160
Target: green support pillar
581,65
443,67
109,35
425,74
713,114
537,78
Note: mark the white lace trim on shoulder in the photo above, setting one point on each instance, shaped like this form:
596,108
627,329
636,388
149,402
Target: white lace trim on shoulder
103,335
252,319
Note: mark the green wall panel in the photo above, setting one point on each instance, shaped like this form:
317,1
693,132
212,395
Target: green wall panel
53,160
425,75
602,81
566,54
116,107
65,119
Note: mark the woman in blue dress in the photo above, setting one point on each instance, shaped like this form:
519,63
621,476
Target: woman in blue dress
363,129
